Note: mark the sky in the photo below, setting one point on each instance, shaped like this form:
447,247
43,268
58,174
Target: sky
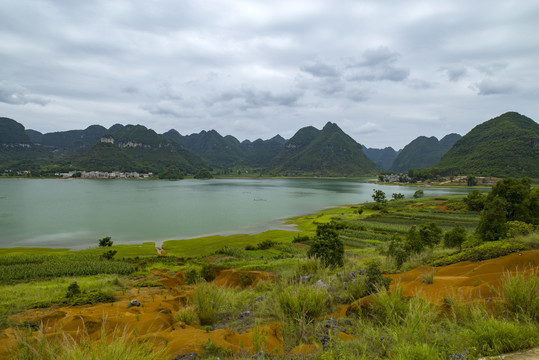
385,71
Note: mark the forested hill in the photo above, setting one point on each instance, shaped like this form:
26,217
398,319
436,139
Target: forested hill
423,152
506,146
383,158
326,152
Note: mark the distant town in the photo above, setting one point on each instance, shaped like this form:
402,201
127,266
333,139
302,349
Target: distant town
104,175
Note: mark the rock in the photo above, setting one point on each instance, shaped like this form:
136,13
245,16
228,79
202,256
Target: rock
319,285
217,327
260,355
305,278
134,303
326,341
244,314
188,356
260,298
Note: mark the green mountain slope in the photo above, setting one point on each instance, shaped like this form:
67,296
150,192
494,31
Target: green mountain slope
12,133
383,158
72,139
326,152
506,146
423,152
260,153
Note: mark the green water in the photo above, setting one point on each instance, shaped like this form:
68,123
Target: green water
76,213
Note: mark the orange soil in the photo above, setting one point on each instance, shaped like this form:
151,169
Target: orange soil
155,319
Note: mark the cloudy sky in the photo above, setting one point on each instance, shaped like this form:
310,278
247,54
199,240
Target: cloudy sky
384,71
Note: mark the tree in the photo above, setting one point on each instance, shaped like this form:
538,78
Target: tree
398,250
418,194
413,240
397,196
492,220
105,242
375,280
430,234
327,246
475,201
516,194
471,181
171,173
380,198
455,237
107,255
203,174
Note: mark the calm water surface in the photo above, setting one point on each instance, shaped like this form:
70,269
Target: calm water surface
76,213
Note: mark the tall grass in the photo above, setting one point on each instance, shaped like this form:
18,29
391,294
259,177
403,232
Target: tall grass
119,346
521,294
208,300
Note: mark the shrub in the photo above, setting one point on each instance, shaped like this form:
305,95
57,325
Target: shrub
485,251
428,278
207,273
191,276
521,295
108,255
208,300
430,234
265,245
148,283
475,201
105,242
418,194
515,228
327,246
375,281
398,250
73,290
246,279
389,307
455,237
187,315
91,297
300,239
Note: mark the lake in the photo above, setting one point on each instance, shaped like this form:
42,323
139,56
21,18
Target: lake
76,213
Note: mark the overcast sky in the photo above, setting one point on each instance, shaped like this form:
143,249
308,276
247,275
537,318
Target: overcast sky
384,71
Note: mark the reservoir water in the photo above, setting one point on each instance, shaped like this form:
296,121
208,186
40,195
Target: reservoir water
76,213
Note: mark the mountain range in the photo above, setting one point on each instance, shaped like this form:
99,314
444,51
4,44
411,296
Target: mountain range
505,146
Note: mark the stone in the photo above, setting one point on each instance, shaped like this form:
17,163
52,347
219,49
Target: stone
134,302
188,356
244,314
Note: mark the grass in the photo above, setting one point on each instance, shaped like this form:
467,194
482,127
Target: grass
521,294
207,245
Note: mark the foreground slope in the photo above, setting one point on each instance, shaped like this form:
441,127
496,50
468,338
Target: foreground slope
506,146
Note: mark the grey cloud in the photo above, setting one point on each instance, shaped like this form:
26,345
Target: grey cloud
377,65
252,98
130,90
492,87
319,69
492,69
455,74
18,95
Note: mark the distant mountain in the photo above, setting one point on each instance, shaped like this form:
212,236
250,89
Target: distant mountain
12,133
506,146
260,153
219,151
68,140
136,148
326,152
423,152
383,158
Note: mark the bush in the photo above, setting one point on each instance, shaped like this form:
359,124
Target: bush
485,251
475,201
207,273
300,239
191,276
455,237
246,279
91,297
105,242
187,315
418,194
266,244
108,255
73,290
375,281
148,283
515,228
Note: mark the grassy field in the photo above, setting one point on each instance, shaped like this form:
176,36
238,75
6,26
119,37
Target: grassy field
393,327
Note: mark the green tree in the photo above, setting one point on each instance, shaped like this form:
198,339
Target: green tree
413,240
397,196
516,194
455,237
380,198
171,173
471,180
475,201
203,174
398,250
418,194
327,246
105,242
375,280
492,220
108,255
430,234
